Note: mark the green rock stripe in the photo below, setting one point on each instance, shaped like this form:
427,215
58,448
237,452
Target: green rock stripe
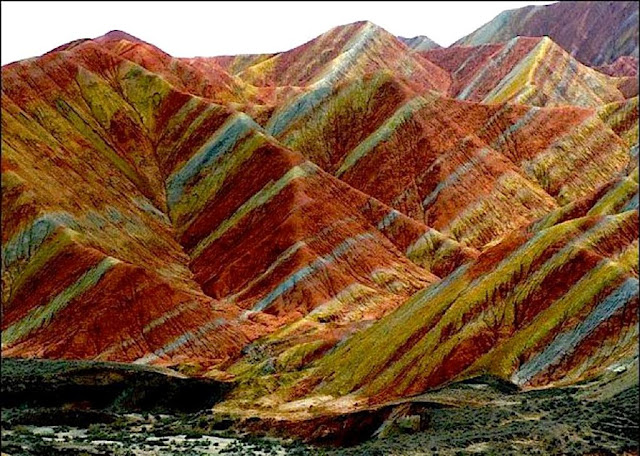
42,316
382,134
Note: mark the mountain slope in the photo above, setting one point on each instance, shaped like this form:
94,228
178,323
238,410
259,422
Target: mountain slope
521,319
325,225
533,71
469,170
595,33
190,228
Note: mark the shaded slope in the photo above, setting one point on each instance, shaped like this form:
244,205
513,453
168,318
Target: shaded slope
109,387
594,32
625,65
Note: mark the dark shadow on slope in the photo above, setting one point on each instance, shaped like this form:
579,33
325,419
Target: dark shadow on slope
81,392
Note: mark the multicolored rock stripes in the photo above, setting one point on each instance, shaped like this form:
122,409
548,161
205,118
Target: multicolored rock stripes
354,219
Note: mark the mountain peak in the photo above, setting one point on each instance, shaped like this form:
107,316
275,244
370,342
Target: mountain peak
420,43
117,35
612,28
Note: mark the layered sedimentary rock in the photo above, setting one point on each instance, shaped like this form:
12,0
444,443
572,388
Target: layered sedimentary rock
517,319
533,71
353,217
445,162
152,230
596,33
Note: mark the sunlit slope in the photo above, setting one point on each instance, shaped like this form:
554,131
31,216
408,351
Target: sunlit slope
162,214
472,171
595,33
533,71
622,118
552,306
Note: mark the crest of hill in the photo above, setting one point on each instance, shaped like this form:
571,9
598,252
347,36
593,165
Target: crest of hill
113,35
420,43
211,82
117,35
526,70
594,32
343,52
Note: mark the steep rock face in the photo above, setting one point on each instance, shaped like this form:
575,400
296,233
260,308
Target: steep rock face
322,222
596,33
158,245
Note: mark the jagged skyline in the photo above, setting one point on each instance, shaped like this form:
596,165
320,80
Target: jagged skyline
186,29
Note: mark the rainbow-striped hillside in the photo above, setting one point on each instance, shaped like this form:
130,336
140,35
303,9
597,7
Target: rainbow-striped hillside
355,221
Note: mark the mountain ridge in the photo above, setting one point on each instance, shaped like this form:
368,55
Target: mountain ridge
329,228
581,32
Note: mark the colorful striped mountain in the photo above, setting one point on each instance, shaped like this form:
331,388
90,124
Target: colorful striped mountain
354,221
595,32
533,71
